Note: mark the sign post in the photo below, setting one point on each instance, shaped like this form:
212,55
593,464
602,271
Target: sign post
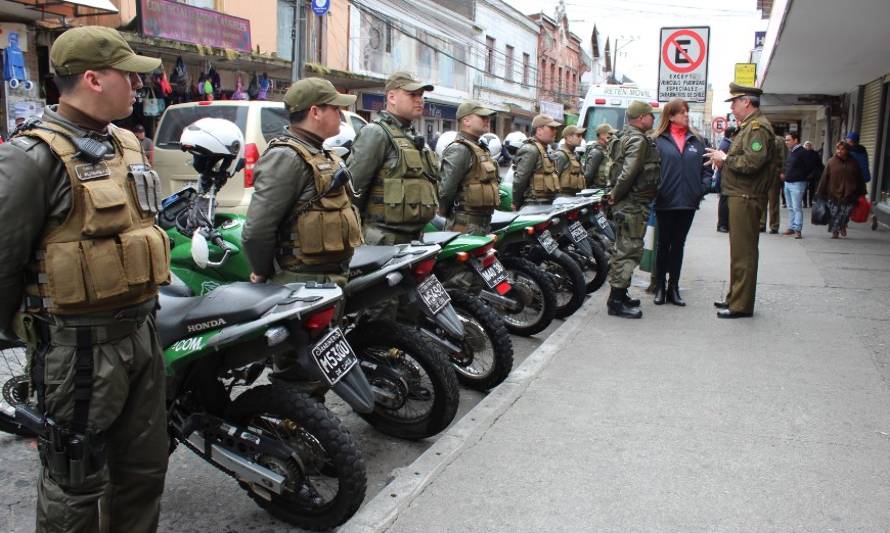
320,7
718,124
683,64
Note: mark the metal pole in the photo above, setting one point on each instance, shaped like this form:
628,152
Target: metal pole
303,26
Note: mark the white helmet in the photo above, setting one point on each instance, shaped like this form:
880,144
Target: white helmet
494,145
514,140
581,148
444,140
341,143
216,144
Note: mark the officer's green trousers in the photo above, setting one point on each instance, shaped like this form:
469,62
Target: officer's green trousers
627,251
744,255
127,408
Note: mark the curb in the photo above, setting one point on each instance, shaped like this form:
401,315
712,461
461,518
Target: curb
409,482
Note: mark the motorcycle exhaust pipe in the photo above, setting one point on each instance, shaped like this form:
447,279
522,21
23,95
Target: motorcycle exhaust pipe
501,302
244,470
451,347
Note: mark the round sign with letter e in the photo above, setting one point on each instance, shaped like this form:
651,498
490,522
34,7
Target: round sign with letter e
718,124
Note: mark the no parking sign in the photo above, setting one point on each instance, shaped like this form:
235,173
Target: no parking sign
683,63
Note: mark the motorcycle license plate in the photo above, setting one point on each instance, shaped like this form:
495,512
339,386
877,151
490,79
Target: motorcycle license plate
578,232
548,242
601,220
334,356
493,274
433,294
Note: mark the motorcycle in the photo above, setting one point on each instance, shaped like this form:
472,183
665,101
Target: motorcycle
480,290
284,447
415,392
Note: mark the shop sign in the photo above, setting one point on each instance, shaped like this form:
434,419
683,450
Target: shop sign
180,22
11,27
552,109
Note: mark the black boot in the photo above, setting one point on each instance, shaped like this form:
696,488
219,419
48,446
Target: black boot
618,306
659,292
673,295
633,302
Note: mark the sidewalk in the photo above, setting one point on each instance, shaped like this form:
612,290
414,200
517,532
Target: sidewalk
683,422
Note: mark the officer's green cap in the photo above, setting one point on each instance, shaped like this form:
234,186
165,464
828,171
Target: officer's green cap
314,91
473,108
94,48
605,127
736,90
637,109
545,120
571,130
406,82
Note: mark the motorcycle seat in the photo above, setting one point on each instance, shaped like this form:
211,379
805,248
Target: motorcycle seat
501,219
176,288
440,237
370,258
538,209
182,317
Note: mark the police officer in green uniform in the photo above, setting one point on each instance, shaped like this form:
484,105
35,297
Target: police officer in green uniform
469,192
299,216
638,168
81,272
745,180
393,170
568,168
594,165
534,174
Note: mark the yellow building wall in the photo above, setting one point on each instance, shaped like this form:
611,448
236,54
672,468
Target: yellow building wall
337,36
263,17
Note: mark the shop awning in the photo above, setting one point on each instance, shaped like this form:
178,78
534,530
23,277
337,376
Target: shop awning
70,8
343,79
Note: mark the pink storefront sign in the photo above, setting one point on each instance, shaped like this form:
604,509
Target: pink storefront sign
184,23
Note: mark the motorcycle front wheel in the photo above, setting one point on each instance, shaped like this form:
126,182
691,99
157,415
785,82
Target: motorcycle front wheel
415,388
326,480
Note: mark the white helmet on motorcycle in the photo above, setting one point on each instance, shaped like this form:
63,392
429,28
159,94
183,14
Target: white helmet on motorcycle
216,144
444,140
494,145
513,141
581,148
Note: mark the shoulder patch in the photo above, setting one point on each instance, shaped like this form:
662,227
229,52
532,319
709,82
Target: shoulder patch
757,146
755,125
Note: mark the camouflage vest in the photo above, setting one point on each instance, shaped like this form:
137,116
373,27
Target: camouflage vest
406,194
608,167
108,253
571,180
601,178
545,183
326,229
479,190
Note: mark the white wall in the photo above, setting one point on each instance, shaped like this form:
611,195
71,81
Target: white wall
507,27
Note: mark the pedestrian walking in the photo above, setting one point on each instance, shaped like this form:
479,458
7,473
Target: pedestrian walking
841,185
796,178
635,186
815,167
684,182
746,177
860,154
534,174
469,191
568,167
79,276
148,146
394,172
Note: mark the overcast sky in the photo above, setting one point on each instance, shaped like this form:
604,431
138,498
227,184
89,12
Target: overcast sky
636,23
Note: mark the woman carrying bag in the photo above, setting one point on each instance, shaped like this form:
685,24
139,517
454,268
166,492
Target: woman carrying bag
684,182
841,185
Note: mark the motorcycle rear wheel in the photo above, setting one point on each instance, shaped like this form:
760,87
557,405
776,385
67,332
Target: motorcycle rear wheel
568,279
415,373
487,355
328,456
535,290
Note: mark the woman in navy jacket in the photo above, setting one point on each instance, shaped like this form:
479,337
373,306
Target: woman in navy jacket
684,182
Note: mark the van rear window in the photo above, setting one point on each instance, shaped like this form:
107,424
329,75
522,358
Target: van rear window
175,120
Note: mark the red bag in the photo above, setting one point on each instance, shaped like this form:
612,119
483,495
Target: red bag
861,210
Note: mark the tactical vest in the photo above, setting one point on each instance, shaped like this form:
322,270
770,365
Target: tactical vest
108,253
479,190
545,183
645,185
609,167
327,229
407,193
571,180
601,178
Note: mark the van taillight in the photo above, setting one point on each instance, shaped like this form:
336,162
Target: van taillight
251,155
600,101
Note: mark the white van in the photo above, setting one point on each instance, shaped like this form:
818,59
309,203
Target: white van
259,120
608,103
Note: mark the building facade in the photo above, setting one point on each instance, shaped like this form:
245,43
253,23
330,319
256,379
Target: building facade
560,67
506,69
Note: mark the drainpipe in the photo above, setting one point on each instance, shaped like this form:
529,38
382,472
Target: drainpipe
298,33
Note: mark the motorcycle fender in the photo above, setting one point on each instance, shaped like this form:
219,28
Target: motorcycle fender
355,390
448,320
